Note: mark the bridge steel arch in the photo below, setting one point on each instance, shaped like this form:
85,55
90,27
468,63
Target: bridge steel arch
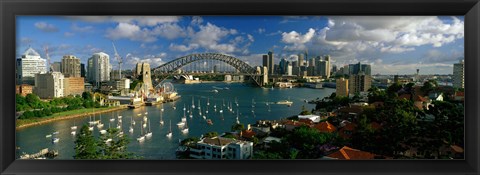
172,66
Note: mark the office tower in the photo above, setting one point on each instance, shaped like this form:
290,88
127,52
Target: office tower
321,66
270,62
327,66
266,61
49,85
356,68
459,74
142,72
283,66
70,66
300,59
29,64
359,83
82,70
99,68
289,69
342,87
334,69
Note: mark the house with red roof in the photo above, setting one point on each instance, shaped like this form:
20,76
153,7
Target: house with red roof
325,127
347,131
347,153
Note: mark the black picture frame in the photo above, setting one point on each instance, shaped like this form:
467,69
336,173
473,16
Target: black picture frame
10,8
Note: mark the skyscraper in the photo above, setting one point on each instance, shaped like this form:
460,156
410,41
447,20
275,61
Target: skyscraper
327,66
356,68
283,66
99,68
342,87
459,74
70,66
270,62
266,61
82,70
29,64
300,59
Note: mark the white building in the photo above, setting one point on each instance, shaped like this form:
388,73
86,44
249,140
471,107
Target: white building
49,85
29,64
99,68
222,148
459,74
289,70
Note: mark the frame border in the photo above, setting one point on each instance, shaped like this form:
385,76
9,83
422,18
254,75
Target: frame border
10,8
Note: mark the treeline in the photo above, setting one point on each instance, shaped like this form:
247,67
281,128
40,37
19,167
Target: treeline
111,145
36,108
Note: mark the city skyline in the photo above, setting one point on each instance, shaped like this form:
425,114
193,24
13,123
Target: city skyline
392,45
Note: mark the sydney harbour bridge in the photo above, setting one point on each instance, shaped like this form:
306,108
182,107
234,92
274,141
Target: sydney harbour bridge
202,63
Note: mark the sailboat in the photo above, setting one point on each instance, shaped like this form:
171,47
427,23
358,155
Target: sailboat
103,131
174,107
169,134
149,133
204,116
74,127
185,129
131,126
236,101
162,109
208,101
223,103
238,122
199,105
99,123
161,118
193,103
215,107
184,107
191,115
112,119
206,110
141,138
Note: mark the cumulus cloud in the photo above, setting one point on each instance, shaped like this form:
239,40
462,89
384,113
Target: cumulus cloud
261,30
153,60
77,28
196,20
139,20
169,31
183,48
45,27
130,31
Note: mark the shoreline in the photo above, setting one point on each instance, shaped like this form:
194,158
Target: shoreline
49,120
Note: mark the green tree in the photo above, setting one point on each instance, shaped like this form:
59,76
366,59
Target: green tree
85,145
210,134
113,145
237,127
393,89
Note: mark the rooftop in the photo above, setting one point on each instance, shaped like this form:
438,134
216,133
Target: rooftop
347,153
219,141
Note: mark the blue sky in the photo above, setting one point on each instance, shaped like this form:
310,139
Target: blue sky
392,45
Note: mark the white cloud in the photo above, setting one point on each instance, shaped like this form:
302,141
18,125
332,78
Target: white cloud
139,20
153,60
169,31
77,28
183,48
196,20
261,30
130,31
45,27
297,40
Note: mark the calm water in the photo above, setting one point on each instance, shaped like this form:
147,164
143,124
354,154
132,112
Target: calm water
33,139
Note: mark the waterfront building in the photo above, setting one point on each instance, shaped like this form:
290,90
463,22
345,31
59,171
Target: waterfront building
29,64
227,78
123,85
99,68
49,85
70,66
459,74
327,66
342,87
359,83
142,72
222,148
24,89
321,68
73,86
270,62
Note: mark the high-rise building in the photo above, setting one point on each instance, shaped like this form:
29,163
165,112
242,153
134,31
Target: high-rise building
334,69
283,66
142,72
49,85
356,68
300,59
359,83
321,66
82,70
459,74
327,66
29,64
266,61
99,68
342,87
289,69
270,62
265,75
70,66
24,89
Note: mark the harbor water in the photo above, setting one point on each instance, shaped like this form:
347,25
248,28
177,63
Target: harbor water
221,95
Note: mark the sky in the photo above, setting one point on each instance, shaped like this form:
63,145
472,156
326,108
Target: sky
390,44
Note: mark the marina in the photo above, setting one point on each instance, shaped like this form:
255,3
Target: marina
155,137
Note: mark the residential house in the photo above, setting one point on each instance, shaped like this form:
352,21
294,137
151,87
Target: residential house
325,127
222,148
347,153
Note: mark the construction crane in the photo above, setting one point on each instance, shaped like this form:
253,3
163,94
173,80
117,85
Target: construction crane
48,59
119,60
